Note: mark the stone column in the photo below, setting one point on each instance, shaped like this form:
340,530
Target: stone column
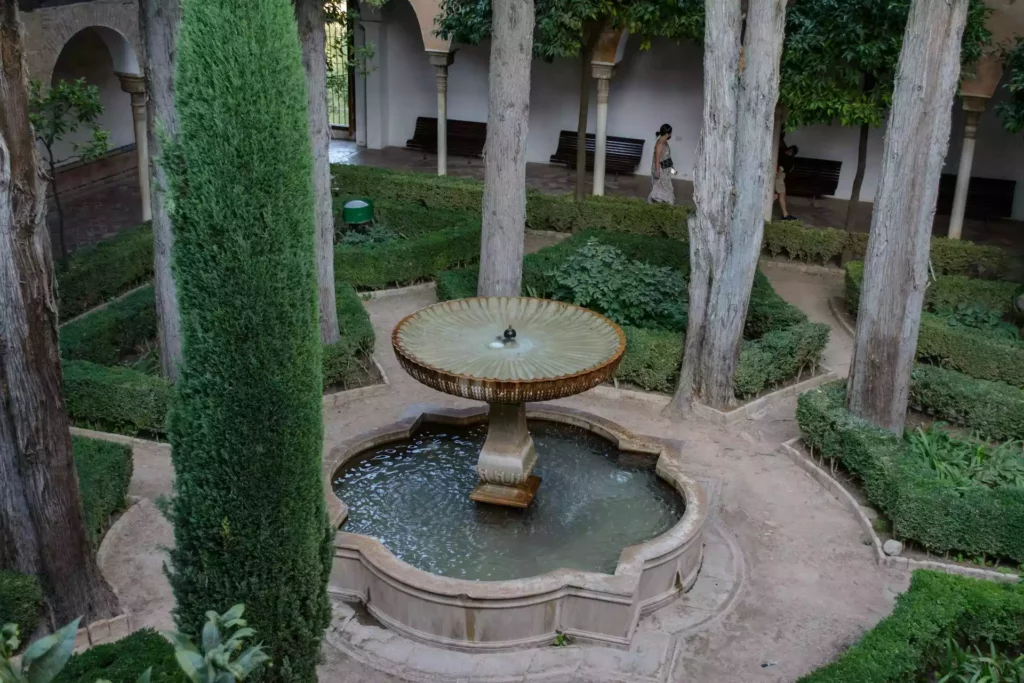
135,85
603,73
441,61
973,107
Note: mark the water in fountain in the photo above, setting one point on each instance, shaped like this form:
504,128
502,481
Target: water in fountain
413,496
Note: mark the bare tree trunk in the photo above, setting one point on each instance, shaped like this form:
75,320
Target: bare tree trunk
896,265
42,527
862,158
160,19
581,126
508,113
733,160
313,36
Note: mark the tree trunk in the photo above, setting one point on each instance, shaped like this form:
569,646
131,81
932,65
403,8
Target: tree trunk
733,160
160,19
581,125
896,265
42,527
862,158
313,36
508,113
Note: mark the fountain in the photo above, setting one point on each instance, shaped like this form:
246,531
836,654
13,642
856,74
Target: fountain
508,351
445,536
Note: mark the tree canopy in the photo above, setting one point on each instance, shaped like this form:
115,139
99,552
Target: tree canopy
840,57
1012,110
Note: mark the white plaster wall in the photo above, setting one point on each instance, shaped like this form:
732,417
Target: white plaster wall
649,88
86,56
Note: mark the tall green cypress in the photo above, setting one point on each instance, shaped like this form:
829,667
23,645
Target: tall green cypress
250,522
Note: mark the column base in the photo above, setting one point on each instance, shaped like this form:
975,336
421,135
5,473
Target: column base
509,496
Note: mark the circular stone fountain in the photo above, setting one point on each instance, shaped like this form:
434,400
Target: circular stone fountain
508,351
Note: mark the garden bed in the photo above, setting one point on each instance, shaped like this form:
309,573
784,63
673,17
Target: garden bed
939,614
640,282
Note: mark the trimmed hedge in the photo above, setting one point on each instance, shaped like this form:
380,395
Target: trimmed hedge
342,360
21,601
922,507
106,335
100,272
407,261
124,661
945,292
116,399
995,410
104,473
904,645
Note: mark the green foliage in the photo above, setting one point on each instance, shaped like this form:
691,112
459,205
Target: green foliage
600,277
61,110
41,661
21,600
968,462
1011,110
972,665
345,359
980,320
100,272
125,661
922,506
779,356
977,353
107,335
908,644
246,425
796,241
373,236
840,56
115,399
221,658
995,410
404,262
104,473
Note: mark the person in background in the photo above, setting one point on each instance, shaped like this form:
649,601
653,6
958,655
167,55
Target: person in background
662,169
787,157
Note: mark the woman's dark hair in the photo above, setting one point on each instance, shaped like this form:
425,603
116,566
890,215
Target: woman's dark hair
664,130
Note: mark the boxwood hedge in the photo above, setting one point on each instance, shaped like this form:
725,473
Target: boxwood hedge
102,271
124,661
21,601
908,643
922,507
993,410
104,473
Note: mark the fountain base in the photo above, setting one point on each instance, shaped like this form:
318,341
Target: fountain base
506,459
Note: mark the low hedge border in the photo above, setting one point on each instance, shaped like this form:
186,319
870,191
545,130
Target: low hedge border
106,335
407,261
994,410
99,272
124,661
910,640
116,399
922,507
945,291
104,473
21,601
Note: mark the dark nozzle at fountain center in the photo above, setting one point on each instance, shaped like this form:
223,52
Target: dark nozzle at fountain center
510,333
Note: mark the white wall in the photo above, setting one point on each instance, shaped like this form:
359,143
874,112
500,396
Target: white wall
662,85
86,56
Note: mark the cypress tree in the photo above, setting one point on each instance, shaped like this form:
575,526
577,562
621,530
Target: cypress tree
246,428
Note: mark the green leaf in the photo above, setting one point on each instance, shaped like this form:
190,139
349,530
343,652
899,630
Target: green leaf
192,665
45,658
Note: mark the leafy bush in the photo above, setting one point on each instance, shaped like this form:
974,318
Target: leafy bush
922,506
124,661
21,600
972,665
800,243
116,399
246,425
404,262
968,462
108,334
373,236
102,271
104,473
908,644
965,349
600,277
344,360
982,321
944,292
995,410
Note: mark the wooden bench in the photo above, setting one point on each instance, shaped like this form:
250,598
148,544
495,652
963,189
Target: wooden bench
813,177
986,197
465,138
622,155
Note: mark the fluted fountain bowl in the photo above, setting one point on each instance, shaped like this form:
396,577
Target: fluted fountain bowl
508,349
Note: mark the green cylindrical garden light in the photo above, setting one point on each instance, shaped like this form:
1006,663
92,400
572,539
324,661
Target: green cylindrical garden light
357,212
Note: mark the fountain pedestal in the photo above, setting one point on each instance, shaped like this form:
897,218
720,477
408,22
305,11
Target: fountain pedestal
506,459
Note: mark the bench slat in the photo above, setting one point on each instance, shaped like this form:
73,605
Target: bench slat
465,138
622,155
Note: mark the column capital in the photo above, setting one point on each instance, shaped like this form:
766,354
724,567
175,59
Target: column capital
441,59
974,103
132,83
602,71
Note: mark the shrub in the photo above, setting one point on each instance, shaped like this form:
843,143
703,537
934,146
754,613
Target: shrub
124,661
404,262
344,359
944,292
800,243
21,601
968,462
906,645
969,351
116,399
246,426
102,271
106,335
922,506
104,473
995,410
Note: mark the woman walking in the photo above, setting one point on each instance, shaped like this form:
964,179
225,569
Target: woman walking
662,169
